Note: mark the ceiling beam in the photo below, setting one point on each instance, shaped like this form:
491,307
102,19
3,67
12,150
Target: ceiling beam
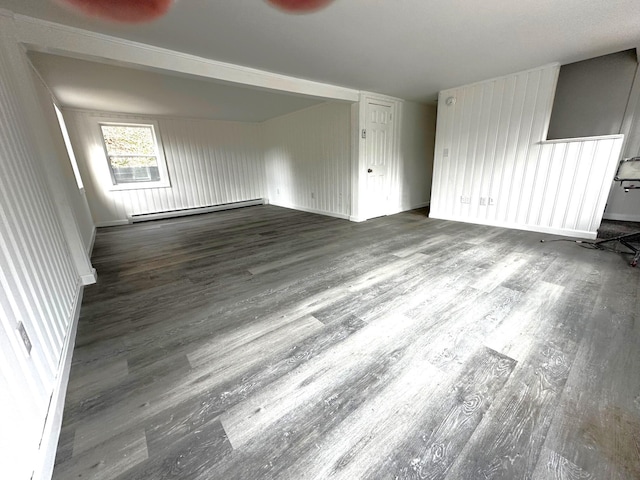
40,35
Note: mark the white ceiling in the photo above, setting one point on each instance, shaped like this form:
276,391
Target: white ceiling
108,88
405,48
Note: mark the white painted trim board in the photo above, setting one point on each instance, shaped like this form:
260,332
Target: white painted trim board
50,37
195,211
516,226
53,422
310,210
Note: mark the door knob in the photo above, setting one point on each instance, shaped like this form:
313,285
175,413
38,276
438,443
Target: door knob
369,170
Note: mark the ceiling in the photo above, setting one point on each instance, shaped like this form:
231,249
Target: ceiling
406,48
108,88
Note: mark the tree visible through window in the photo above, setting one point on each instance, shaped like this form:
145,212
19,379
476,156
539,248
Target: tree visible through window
132,153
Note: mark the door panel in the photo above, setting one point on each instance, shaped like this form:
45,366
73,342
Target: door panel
378,152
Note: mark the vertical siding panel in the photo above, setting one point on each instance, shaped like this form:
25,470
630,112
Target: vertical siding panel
610,161
473,140
463,149
535,185
449,188
486,143
513,142
541,184
310,151
580,180
525,146
539,126
566,184
498,101
16,194
501,159
38,280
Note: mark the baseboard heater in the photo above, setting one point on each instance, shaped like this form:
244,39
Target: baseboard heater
145,217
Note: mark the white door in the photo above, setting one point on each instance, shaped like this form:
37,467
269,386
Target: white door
378,136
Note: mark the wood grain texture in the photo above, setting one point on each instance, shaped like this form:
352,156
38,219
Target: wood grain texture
597,425
553,466
265,343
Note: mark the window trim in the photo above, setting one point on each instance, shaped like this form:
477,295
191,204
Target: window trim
164,181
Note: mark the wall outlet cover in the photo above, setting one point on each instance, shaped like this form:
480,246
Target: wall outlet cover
24,336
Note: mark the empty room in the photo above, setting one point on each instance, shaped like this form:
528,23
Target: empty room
319,239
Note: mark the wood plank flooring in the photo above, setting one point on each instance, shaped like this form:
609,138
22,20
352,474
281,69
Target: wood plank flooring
265,343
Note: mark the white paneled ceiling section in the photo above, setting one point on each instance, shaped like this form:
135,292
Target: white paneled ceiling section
406,48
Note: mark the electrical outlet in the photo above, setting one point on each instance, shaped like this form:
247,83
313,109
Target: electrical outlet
464,199
491,201
445,153
25,337
483,200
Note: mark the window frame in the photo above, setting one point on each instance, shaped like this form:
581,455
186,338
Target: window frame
164,181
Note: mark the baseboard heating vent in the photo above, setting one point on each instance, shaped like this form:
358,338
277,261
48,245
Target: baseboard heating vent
144,217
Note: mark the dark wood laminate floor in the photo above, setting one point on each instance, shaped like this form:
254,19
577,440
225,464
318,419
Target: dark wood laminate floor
265,343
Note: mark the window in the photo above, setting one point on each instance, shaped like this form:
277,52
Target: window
135,161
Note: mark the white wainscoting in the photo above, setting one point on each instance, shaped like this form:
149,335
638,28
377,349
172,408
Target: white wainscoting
39,283
210,163
308,159
489,145
568,187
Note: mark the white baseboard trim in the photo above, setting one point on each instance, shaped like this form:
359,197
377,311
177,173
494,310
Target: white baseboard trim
113,223
622,217
356,219
565,232
89,279
344,216
92,242
53,422
421,205
195,211
401,209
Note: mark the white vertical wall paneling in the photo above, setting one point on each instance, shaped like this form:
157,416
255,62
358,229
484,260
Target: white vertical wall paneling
209,162
39,283
495,136
307,152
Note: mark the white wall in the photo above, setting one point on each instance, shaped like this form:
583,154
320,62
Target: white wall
308,159
76,197
40,285
493,137
210,162
412,172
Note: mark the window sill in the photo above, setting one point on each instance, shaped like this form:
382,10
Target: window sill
139,186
